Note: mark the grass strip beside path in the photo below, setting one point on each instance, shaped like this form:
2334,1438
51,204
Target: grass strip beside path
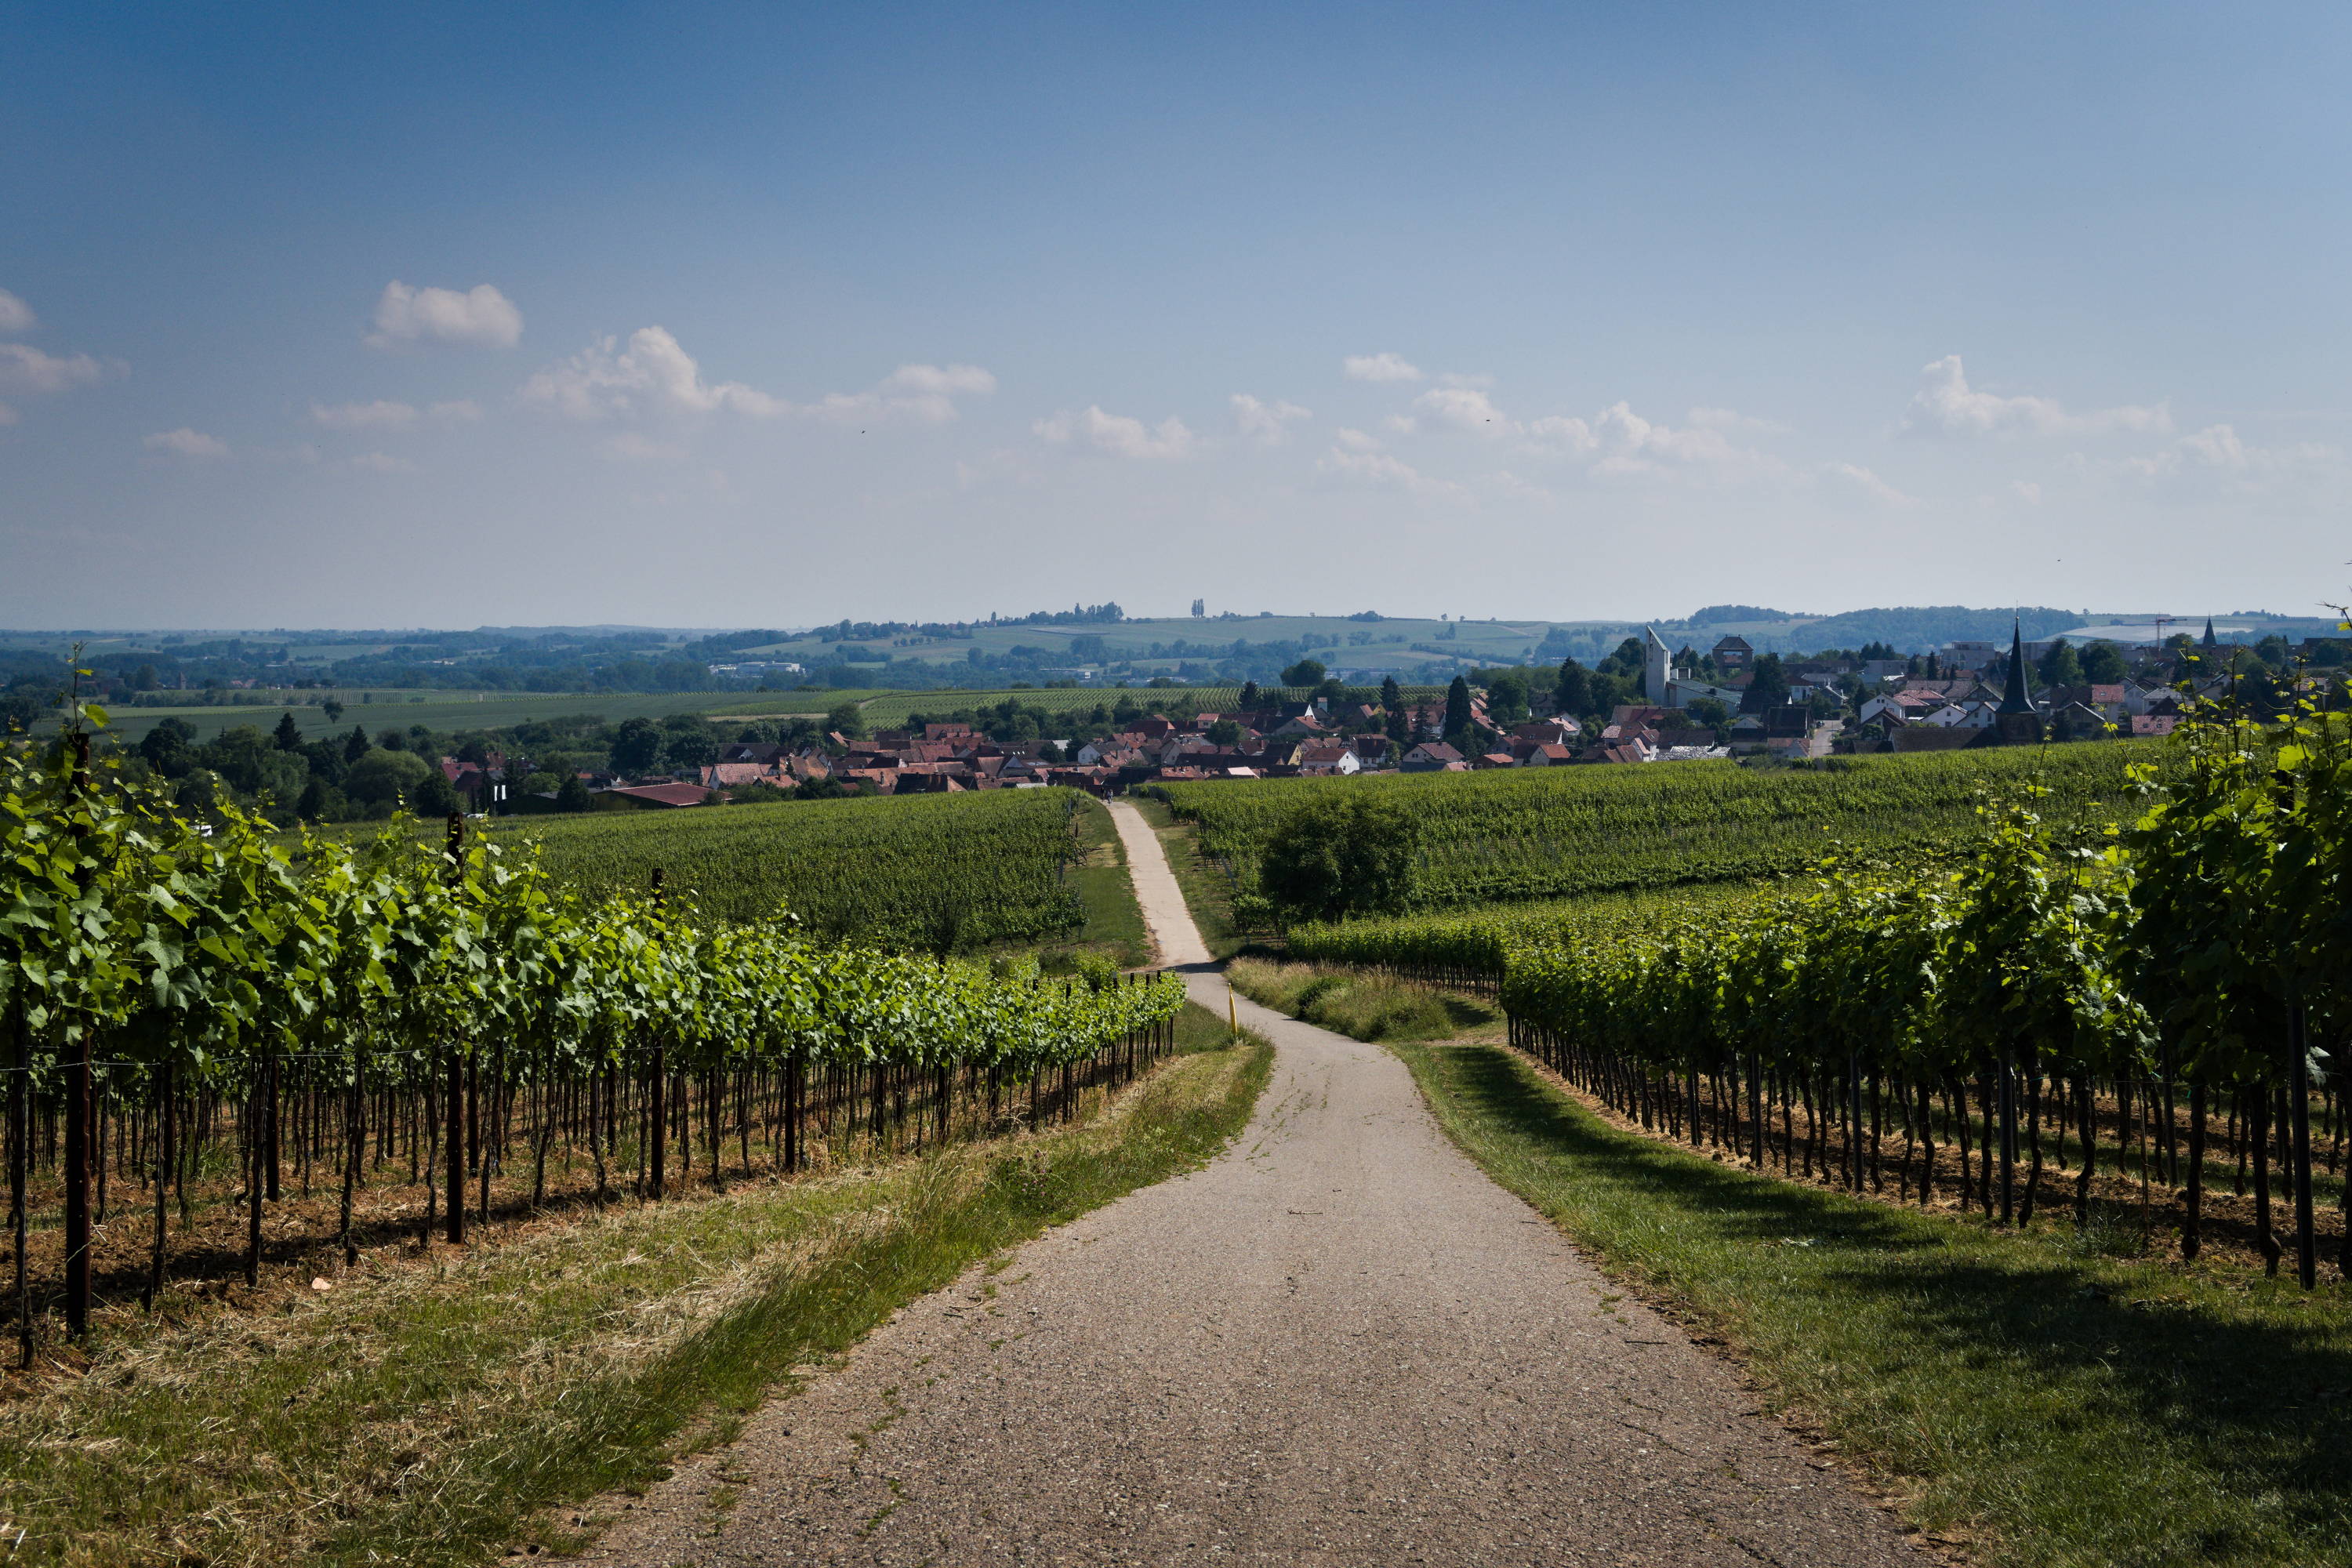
434,1414
2025,1395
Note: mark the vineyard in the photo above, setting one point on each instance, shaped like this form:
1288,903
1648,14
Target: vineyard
206,1018
922,873
2157,996
1512,834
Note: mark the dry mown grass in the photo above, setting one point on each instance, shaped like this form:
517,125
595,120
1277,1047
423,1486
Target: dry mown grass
430,1409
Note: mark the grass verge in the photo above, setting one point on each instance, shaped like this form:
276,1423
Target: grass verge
436,1414
1360,1004
1114,928
2038,1402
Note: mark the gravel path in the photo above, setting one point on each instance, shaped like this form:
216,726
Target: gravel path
1338,1343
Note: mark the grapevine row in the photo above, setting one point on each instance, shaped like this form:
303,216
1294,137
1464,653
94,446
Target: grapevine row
2055,978
174,993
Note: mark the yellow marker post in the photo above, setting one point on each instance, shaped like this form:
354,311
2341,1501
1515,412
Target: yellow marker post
1232,1021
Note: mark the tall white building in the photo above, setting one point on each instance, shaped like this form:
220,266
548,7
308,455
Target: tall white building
1658,672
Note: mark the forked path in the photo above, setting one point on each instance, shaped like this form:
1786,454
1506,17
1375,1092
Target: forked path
1338,1343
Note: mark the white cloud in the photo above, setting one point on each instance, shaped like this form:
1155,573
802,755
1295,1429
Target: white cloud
380,463
605,380
463,411
2026,490
923,393
479,315
186,443
2218,453
1463,408
1119,435
1635,444
1377,467
1380,367
24,368
1268,423
1865,482
1357,440
1945,405
377,415
654,374
1564,434
939,380
16,316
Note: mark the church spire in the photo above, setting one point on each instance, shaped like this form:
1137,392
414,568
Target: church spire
2015,700
2210,640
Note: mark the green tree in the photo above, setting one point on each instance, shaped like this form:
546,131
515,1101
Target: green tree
1392,694
1247,702
695,749
320,801
237,754
1224,733
166,747
847,720
636,746
143,679
356,744
288,734
1572,693
1711,712
1507,699
572,793
2060,666
1306,672
1458,709
393,739
382,777
433,796
1342,855
1769,689
2103,664
333,709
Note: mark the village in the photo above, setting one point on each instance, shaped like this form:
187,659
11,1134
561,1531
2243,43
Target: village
1726,703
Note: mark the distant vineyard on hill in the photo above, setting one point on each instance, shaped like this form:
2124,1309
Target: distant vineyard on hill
925,873
1520,834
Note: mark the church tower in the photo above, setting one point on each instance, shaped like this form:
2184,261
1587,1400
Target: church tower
2017,722
1658,669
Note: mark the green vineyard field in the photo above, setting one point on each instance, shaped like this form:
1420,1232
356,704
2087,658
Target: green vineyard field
1506,836
921,873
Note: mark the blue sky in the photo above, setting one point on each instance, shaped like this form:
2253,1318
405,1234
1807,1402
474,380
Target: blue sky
760,314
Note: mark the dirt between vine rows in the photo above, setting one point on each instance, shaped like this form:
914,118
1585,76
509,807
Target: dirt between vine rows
1338,1343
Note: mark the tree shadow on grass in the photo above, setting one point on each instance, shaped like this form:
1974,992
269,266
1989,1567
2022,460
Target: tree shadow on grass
2083,1354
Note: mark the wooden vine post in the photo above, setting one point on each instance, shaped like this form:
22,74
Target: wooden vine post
454,1096
77,1075
660,1108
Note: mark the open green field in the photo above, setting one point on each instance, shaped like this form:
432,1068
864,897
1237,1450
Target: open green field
1542,833
1341,643
445,710
929,873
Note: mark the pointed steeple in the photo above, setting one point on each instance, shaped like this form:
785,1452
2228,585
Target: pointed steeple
2210,640
2015,700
